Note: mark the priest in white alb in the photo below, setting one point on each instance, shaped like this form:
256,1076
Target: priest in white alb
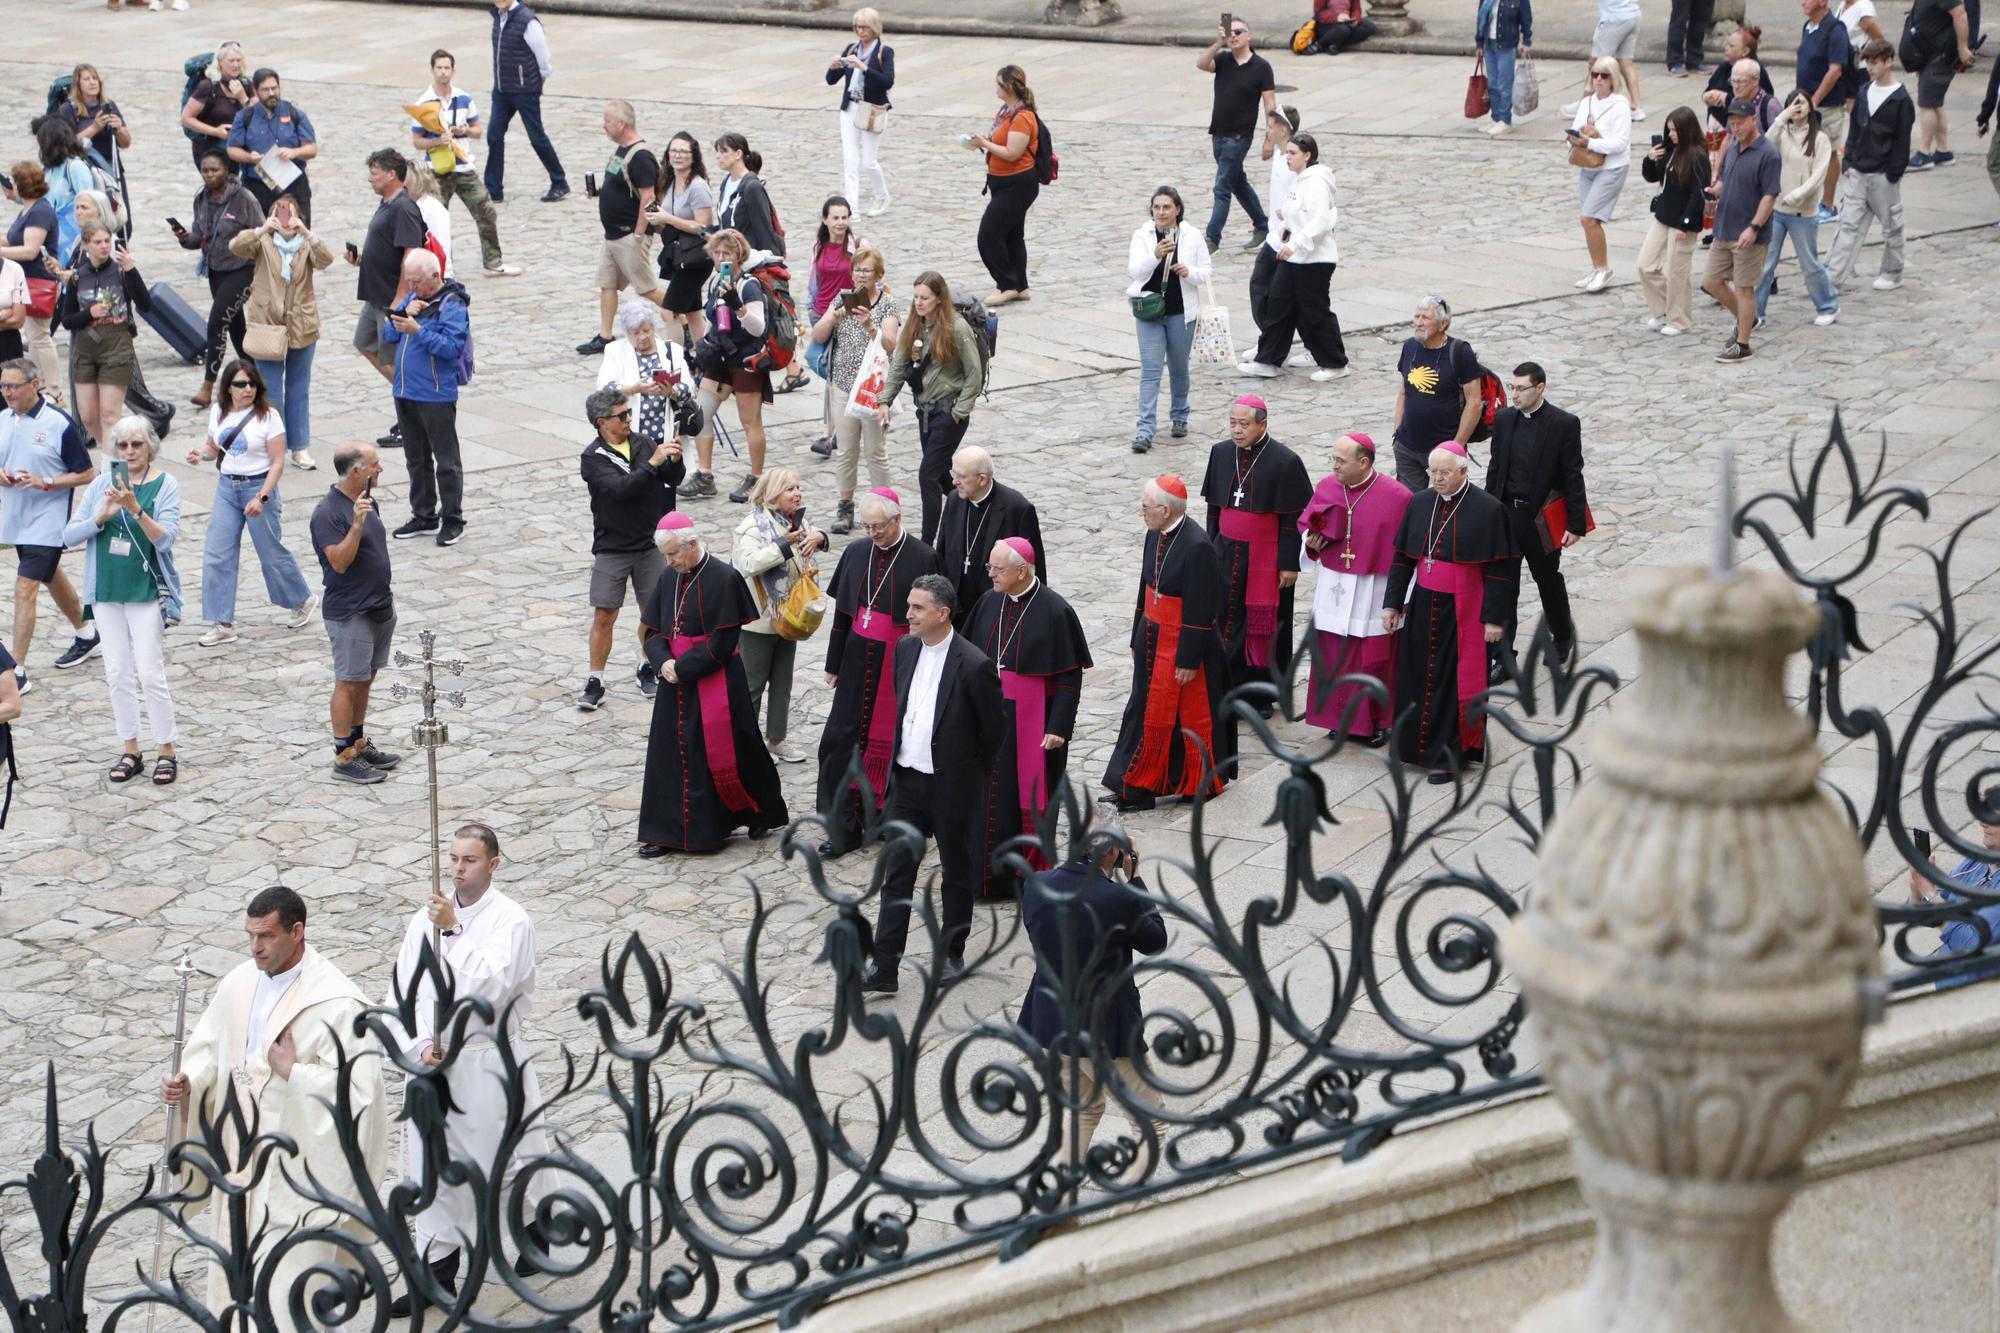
488,949
1350,538
270,1028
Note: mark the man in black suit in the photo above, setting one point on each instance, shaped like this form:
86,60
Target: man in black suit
1538,457
949,727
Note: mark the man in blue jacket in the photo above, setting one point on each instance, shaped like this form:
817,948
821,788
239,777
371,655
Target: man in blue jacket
428,332
521,65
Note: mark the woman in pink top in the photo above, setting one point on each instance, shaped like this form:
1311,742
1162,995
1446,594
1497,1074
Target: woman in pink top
832,273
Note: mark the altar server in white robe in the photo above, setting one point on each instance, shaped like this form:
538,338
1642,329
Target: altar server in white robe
488,946
270,1028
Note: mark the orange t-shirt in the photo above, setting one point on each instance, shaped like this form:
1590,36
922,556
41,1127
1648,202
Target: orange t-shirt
1005,124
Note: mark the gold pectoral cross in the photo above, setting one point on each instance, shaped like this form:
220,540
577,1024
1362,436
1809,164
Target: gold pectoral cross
1347,557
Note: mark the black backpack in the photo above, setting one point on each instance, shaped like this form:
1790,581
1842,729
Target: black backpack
1047,165
985,331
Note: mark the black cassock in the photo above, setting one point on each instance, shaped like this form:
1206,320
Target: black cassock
1187,577
1037,643
698,793
871,601
1461,557
1256,622
966,534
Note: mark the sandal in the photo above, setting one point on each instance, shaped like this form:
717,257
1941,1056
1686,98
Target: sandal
165,769
127,767
791,382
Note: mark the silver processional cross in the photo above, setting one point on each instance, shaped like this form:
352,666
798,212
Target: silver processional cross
431,734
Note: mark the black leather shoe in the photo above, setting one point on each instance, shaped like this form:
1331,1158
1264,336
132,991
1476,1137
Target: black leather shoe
523,1265
1439,778
652,851
445,1270
829,852
1375,742
953,969
879,982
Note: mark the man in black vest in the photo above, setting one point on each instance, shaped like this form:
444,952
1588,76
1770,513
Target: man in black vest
521,65
949,727
1538,458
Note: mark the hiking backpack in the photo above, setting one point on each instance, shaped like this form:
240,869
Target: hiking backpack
193,70
985,329
781,315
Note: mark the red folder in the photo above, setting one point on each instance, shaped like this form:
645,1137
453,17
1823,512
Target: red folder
1554,522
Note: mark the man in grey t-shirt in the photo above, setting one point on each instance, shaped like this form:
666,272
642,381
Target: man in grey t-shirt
1745,194
359,609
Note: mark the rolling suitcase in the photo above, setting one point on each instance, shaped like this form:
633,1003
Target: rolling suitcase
175,320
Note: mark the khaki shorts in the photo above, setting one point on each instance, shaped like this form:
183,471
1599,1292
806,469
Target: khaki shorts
1833,119
1739,266
628,262
104,355
611,571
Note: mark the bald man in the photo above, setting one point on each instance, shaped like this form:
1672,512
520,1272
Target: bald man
1456,546
979,512
428,332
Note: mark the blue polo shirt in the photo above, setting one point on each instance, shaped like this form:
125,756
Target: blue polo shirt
1820,49
48,443
256,130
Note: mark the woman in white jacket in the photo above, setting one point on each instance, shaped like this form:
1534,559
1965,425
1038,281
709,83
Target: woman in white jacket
1168,263
651,371
1603,125
1806,153
774,547
1301,294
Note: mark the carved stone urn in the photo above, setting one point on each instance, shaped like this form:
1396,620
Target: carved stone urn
1694,955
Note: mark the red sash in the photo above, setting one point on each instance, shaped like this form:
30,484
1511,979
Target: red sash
1172,709
1031,710
718,736
1260,590
1467,586
879,746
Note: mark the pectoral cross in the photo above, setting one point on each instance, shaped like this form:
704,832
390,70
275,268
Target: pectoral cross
966,567
1429,565
1239,497
1347,557
866,612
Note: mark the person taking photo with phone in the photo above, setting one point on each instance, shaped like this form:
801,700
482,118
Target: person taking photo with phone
353,551
96,306
223,209
126,523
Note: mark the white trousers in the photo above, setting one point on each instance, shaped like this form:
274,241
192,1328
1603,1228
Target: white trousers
134,660
860,151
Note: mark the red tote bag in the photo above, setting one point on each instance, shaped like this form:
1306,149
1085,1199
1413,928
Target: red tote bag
1478,100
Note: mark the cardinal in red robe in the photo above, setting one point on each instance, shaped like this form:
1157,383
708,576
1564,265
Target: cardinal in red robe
1350,534
1452,588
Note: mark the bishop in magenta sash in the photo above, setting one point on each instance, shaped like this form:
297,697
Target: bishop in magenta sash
1255,488
1350,537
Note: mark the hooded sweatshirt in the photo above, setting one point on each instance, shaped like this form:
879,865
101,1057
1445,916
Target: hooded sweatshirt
1307,220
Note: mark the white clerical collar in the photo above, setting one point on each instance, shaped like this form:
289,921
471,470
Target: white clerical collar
982,499
1168,530
940,646
466,911
1017,596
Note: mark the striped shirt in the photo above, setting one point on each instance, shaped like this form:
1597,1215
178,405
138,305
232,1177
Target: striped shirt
456,110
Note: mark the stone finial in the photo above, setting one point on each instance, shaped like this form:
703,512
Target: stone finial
1693,956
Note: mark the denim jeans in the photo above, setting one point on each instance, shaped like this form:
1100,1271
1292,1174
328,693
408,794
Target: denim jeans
1163,340
1804,231
504,106
1500,80
223,546
1229,179
289,387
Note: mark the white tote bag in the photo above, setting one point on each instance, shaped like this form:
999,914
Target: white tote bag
1213,345
870,381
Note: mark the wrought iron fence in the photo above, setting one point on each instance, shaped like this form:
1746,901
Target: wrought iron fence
808,1161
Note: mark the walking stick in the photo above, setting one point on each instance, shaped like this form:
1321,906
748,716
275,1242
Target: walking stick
185,970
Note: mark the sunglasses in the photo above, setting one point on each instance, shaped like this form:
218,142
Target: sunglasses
625,415
241,384
131,444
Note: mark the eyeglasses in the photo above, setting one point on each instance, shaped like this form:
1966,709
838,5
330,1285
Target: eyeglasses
131,444
872,528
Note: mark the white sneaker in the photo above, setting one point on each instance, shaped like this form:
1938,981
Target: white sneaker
1326,373
1257,370
1496,128
217,634
1300,361
1885,283
180,6
303,616
1569,108
1638,114
1672,330
1583,282
1597,280
787,753
1821,321
302,460
1654,321
876,209
503,271
156,6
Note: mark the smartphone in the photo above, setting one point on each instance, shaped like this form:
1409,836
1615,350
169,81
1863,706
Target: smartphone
1922,838
665,377
856,299
727,270
121,474
590,183
1226,16
353,254
369,489
174,226
6,181
1659,141
1574,134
